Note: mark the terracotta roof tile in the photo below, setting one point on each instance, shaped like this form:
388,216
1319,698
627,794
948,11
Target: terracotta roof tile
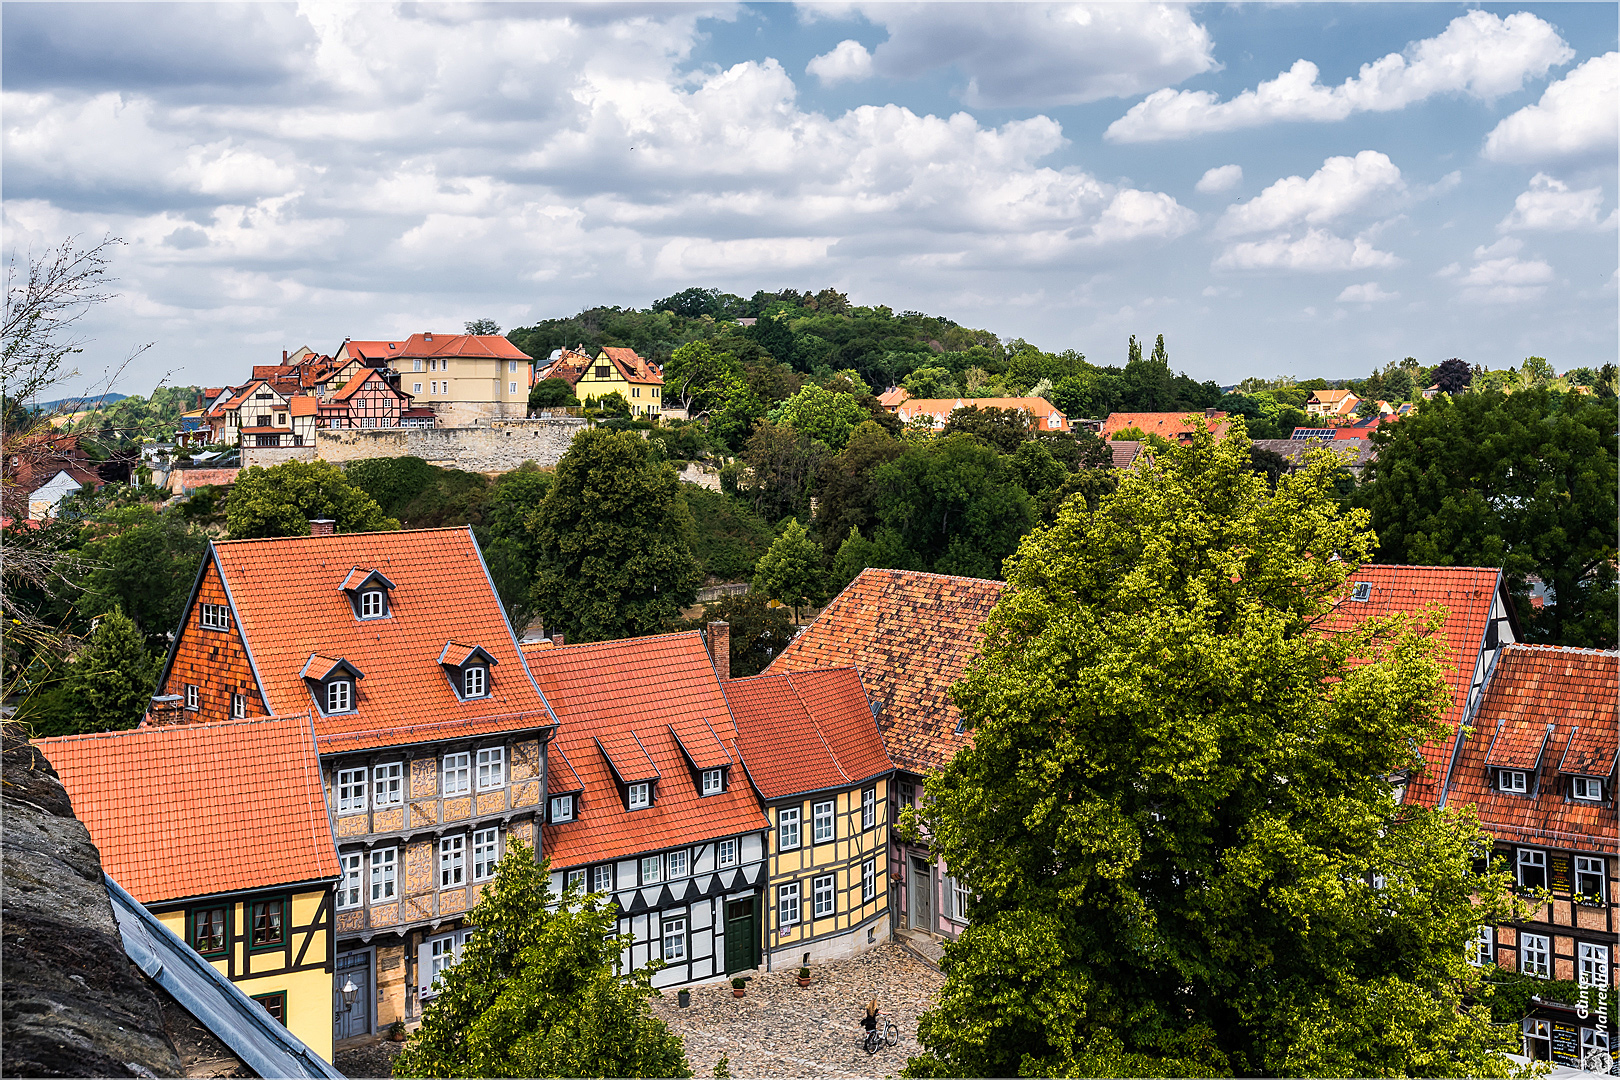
838,703
472,345
1517,744
304,405
196,809
1592,751
1170,425
1124,452
806,731
632,366
1041,410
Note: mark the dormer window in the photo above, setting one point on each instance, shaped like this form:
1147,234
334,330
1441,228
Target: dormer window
371,604
339,696
331,681
1587,789
562,808
638,796
474,681
1513,781
714,781
468,669
1363,592
368,592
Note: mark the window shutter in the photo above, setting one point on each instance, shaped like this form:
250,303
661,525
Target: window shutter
424,972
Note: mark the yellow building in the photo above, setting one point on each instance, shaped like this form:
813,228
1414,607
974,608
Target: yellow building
812,750
623,372
464,378
220,830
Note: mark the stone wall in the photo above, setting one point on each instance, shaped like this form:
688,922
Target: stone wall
275,455
495,446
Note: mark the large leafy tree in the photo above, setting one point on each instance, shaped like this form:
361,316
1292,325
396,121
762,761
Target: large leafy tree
824,415
702,379
536,992
955,504
282,500
1523,481
1175,816
846,490
141,562
790,571
614,541
106,688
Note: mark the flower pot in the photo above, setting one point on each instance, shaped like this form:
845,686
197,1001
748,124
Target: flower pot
804,982
683,998
738,992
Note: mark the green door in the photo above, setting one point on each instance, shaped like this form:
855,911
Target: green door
742,936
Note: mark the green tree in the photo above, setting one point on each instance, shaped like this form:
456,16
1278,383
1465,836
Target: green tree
782,466
955,505
930,382
108,685
1523,481
552,393
857,553
482,326
701,379
1003,429
758,631
1147,383
1398,385
614,541
846,488
612,405
282,500
821,414
1174,815
535,992
1453,376
508,546
790,571
141,561
729,536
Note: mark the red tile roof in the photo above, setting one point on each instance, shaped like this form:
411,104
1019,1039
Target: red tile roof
371,350
632,366
1533,686
631,699
189,810
1045,415
474,345
1124,451
1517,744
361,378
1169,425
288,599
911,636
806,731
303,405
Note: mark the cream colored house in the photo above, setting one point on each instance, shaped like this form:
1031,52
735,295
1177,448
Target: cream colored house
465,378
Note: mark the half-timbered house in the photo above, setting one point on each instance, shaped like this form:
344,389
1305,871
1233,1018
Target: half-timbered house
367,400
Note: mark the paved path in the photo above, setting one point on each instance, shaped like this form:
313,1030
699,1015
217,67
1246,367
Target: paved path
781,1029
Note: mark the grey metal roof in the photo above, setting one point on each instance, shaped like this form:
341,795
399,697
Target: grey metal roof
238,1021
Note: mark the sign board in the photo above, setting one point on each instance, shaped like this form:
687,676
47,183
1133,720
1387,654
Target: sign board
1558,873
1566,1044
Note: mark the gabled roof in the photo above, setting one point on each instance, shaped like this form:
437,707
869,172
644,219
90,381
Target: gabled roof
806,731
629,700
362,378
1169,425
1517,744
474,345
304,405
188,810
359,576
893,396
370,350
319,667
245,394
631,366
1038,408
1329,397
287,606
456,654
910,636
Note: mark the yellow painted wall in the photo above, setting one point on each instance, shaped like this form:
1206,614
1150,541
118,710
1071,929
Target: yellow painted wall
644,399
843,857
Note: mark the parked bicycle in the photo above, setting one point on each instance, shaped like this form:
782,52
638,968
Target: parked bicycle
880,1032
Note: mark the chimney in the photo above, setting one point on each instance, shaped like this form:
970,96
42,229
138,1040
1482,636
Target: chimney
1209,414
557,640
321,526
720,649
165,709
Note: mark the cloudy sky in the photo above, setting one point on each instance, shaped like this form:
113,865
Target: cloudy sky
1312,189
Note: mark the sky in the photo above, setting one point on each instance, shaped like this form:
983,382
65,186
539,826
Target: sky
1312,190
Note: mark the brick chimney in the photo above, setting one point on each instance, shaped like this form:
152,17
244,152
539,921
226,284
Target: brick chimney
720,649
321,526
1209,414
557,640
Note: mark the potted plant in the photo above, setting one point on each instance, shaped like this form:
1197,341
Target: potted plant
683,998
804,976
739,986
397,1031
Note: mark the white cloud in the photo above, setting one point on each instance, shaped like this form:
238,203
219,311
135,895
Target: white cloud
1479,54
1550,205
1369,293
1342,185
1499,276
1318,251
848,62
1037,53
1220,178
1578,116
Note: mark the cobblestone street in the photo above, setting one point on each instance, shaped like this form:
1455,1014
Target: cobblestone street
779,1029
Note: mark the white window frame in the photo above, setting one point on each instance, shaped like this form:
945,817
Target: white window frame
239,706
1535,955
351,889
1591,867
457,773
1536,860
869,880
1592,965
573,878
1587,789
787,828
713,782
486,852
1512,781
1482,949
674,939
562,808
452,862
384,874
652,869
388,785
823,896
193,698
602,878
511,388
371,604
638,796
215,617
725,853
353,786
491,768
339,696
416,388
677,864
475,681
787,904
511,366
868,807
416,365
823,816
444,953
959,900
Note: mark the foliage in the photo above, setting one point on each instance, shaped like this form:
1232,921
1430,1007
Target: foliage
790,572
482,327
955,505
1453,376
552,393
1524,481
930,382
782,465
728,536
857,553
44,301
702,380
613,540
141,561
108,686
1004,429
846,487
758,631
508,546
420,495
825,416
1510,1001
133,417
611,405
1398,385
1173,812
535,992
282,500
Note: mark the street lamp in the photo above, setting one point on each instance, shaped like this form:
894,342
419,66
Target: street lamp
348,992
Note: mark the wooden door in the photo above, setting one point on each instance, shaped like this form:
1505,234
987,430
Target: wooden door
354,1020
742,936
921,907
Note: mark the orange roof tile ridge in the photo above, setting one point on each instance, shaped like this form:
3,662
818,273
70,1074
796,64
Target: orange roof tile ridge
715,733
815,723
506,621
1533,646
153,728
432,725
339,536
1470,711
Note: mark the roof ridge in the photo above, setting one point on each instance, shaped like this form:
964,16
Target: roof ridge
1562,648
337,535
147,729
822,735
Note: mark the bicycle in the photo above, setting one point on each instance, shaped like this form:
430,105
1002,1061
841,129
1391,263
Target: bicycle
876,1040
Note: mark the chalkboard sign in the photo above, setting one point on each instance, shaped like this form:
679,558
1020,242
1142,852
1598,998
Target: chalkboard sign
1566,1044
1558,873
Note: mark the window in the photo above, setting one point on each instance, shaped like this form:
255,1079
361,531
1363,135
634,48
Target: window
822,821
575,880
652,869
193,698
511,365
637,796
602,879
433,365
208,935
1532,869
562,808
959,900
238,706
275,1005
416,365
457,773
1587,789
511,388
674,939
265,919
1513,780
787,904
726,853
602,371
787,828
1533,954
908,794
416,388
869,808
1594,1042
388,785
1589,875
1594,970
821,892
351,790
486,852
384,874
714,781
435,386
452,861
475,681
869,880
1363,591
1482,950
443,952
349,888
677,864
215,617
371,604
281,419
339,696
491,768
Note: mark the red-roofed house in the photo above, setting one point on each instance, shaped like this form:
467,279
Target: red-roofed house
812,750
649,803
221,831
465,377
1043,415
430,729
623,372
1540,770
1168,425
